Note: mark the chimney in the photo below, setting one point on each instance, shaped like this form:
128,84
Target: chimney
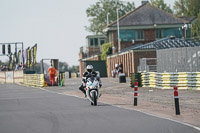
144,2
81,49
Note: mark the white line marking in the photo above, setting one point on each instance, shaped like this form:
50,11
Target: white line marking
60,93
195,127
171,120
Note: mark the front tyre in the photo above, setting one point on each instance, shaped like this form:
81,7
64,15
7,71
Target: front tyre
94,98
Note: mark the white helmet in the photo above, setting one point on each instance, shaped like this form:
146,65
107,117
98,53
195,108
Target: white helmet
89,68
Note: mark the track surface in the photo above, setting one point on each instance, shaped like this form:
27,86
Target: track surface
32,110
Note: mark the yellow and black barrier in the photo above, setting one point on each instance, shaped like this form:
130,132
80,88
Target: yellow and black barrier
36,80
184,80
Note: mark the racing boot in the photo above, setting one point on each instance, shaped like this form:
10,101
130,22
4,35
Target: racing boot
82,88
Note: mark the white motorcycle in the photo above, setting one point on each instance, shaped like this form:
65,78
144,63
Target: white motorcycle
92,90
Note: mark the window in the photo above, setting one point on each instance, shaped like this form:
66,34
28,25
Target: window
159,34
127,35
96,41
140,35
102,42
91,42
130,35
172,32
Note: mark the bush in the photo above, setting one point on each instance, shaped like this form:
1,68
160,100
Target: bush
106,50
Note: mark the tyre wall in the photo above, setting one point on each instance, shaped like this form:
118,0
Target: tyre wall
184,80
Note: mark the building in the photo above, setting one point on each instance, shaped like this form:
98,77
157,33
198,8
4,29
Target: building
91,52
147,24
141,26
138,29
94,43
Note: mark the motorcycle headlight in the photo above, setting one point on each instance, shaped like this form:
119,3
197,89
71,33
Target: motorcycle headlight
91,86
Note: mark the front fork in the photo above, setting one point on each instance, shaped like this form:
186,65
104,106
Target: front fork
89,94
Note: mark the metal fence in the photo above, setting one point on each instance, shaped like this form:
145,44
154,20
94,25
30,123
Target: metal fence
185,59
147,65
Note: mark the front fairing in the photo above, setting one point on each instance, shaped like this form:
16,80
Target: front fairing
91,86
92,83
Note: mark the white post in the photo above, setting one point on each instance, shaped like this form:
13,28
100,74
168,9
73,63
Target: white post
108,18
185,32
119,47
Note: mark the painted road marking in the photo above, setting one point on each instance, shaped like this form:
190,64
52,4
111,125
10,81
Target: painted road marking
195,127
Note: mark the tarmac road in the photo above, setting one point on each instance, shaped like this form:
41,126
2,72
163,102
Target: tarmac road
33,110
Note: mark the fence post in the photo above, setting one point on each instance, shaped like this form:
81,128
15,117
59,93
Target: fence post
135,93
176,100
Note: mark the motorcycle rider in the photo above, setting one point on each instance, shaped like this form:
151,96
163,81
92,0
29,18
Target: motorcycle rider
86,75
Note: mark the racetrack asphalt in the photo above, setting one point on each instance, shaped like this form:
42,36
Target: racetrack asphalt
35,110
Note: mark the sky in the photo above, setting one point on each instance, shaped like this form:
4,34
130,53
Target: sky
57,26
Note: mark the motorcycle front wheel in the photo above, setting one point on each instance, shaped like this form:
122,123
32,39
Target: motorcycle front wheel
94,98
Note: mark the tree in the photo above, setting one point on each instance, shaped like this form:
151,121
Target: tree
193,7
63,66
4,63
36,68
163,6
74,69
97,13
187,7
1,63
106,50
180,7
196,28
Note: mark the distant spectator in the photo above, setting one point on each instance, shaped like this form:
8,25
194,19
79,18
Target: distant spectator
17,67
5,68
1,67
23,66
116,66
115,71
120,68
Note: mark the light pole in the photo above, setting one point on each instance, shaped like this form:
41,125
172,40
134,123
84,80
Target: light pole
119,46
184,27
108,18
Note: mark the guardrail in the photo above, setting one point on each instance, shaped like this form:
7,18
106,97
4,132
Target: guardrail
36,80
184,80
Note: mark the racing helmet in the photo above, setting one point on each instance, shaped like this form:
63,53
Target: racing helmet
89,68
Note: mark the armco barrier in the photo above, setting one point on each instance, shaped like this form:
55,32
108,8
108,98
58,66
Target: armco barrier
36,80
184,80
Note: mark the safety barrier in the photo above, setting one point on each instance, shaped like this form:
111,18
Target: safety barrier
184,80
11,76
2,77
73,75
36,80
18,76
